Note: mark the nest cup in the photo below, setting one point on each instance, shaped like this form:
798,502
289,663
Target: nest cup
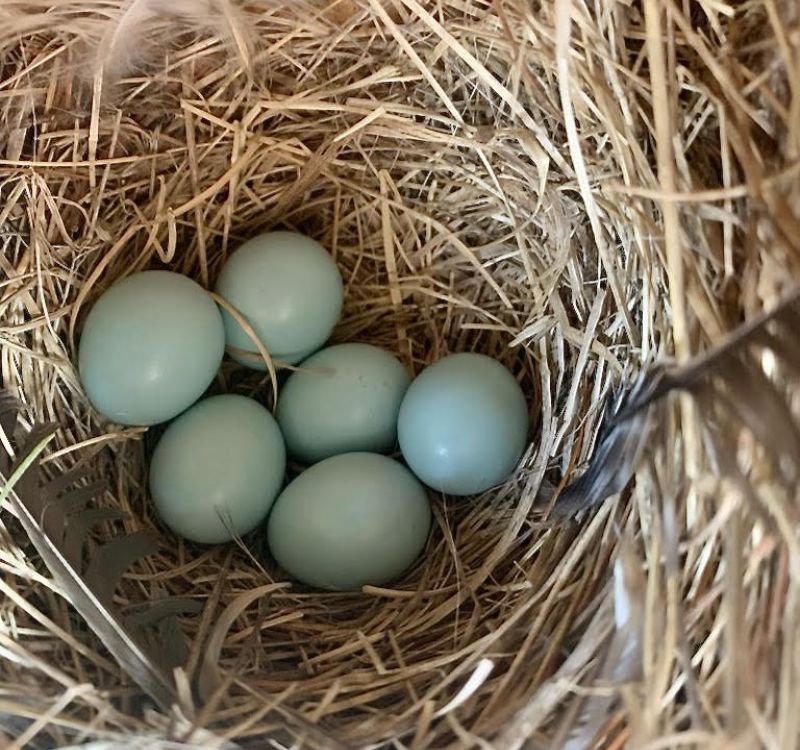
489,177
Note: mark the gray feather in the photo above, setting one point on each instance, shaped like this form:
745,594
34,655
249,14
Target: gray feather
30,495
729,379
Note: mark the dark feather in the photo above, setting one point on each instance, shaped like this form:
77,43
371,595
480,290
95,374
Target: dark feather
169,643
161,609
146,642
77,530
68,479
749,397
41,507
9,409
159,626
783,319
113,558
103,621
80,497
617,454
26,442
28,481
729,378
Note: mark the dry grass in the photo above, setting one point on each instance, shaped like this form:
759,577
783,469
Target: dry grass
572,187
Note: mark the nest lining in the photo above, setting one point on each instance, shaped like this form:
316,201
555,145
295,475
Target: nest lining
487,177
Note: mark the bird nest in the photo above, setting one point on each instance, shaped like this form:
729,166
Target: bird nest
577,189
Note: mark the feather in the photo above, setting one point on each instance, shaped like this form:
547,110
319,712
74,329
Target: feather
729,384
9,407
59,484
773,330
123,42
623,658
77,529
162,609
618,451
113,558
147,674
159,627
40,506
79,498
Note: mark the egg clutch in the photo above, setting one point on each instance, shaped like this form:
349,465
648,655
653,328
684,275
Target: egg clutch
153,343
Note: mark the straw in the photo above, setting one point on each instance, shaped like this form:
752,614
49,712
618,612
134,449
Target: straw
489,176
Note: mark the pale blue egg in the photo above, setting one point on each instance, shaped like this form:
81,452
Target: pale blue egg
150,347
463,424
343,399
350,520
217,469
288,288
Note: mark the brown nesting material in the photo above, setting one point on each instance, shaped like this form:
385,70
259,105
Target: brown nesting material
575,188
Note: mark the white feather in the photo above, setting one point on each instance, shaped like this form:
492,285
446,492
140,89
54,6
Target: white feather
476,679
127,35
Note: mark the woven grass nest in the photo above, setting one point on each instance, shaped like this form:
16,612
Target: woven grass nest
577,189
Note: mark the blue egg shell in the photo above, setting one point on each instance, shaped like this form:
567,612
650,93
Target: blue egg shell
150,347
217,469
463,424
288,289
350,520
343,399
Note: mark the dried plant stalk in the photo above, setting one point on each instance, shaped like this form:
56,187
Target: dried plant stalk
490,176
